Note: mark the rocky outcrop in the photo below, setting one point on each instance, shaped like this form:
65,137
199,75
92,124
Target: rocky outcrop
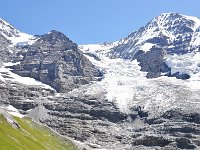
96,108
184,116
23,97
152,62
85,114
111,129
152,141
9,119
5,54
55,60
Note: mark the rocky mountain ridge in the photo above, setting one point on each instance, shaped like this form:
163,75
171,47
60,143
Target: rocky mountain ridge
109,103
55,60
173,33
176,32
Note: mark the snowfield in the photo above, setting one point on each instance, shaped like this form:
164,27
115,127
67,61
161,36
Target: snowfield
22,39
15,36
7,75
146,47
11,110
126,86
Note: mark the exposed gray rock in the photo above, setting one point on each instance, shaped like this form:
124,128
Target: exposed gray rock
152,141
90,118
152,62
56,61
100,124
5,54
185,143
23,105
72,117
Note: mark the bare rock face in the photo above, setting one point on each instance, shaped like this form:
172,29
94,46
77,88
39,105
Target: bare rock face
89,117
55,60
5,55
152,62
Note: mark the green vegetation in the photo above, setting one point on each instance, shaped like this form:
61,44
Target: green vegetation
30,136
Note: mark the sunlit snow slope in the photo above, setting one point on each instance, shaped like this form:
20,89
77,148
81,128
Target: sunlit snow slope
125,85
15,36
6,75
176,32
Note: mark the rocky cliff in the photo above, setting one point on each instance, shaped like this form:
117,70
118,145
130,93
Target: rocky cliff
133,105
55,60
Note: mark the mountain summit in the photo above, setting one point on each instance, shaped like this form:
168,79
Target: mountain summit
173,31
141,92
169,33
175,23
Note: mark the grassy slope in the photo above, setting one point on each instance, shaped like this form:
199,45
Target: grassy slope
30,136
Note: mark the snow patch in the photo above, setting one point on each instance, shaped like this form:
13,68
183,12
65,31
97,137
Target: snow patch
15,36
22,40
12,110
196,21
195,41
122,79
147,46
97,49
186,64
7,75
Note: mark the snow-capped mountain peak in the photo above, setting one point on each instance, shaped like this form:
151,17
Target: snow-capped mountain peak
170,25
161,47
109,103
176,23
174,31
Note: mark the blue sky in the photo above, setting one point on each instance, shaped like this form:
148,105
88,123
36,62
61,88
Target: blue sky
90,21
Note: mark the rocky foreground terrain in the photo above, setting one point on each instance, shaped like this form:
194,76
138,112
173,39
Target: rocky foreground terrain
141,92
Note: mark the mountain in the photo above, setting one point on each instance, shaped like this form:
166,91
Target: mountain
165,35
141,92
177,33
140,81
55,60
